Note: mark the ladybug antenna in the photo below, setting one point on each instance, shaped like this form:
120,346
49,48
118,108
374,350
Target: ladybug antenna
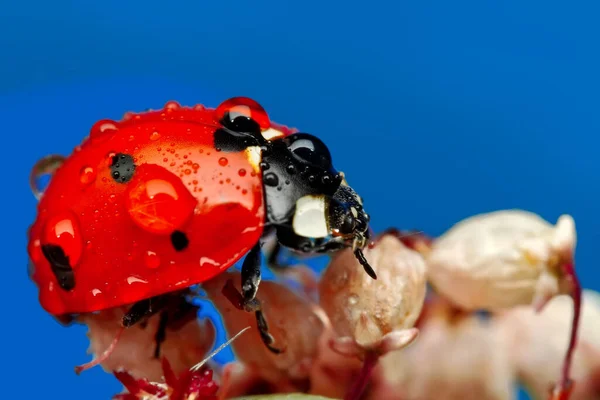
102,357
365,264
218,350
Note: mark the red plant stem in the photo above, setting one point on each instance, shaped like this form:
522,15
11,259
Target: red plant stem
569,270
364,376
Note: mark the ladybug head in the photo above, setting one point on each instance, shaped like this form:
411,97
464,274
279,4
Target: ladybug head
308,200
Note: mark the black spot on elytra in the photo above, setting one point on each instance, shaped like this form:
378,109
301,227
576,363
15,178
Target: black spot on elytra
59,263
179,240
122,168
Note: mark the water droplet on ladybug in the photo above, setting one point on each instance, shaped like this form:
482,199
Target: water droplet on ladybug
154,136
35,250
291,169
63,230
151,259
326,179
245,108
102,127
264,166
172,105
223,161
271,179
87,175
157,200
242,172
42,172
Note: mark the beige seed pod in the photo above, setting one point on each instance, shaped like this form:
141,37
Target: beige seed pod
184,345
457,357
502,259
375,315
538,343
293,322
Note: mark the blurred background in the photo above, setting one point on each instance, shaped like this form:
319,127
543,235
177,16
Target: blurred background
434,110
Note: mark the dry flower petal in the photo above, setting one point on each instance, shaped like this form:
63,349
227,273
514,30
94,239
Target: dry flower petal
502,259
457,357
292,321
367,310
538,343
134,352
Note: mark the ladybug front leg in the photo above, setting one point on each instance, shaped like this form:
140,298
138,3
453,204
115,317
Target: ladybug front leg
247,301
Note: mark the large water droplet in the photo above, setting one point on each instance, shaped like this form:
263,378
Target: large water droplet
63,230
157,200
244,107
42,172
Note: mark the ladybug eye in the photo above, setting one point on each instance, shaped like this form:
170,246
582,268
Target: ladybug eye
309,149
244,115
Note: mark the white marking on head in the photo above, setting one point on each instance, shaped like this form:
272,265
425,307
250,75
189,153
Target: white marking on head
254,156
271,133
309,218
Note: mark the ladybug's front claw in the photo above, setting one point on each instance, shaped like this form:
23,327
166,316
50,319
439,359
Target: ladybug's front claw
263,329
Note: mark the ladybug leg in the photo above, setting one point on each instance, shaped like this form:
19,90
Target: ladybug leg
251,276
161,332
143,310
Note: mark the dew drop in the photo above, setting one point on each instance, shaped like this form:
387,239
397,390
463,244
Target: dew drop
101,127
87,175
242,172
172,105
151,259
154,136
223,161
271,179
352,300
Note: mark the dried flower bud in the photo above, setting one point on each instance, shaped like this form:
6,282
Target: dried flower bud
502,259
458,356
375,314
292,321
538,343
134,352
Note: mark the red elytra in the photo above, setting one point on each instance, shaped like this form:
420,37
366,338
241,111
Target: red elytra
114,229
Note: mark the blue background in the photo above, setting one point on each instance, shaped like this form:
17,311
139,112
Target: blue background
434,110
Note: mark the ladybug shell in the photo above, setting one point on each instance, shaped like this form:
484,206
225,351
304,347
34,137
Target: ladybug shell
144,207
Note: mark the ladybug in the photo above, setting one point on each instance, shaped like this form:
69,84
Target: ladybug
166,199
